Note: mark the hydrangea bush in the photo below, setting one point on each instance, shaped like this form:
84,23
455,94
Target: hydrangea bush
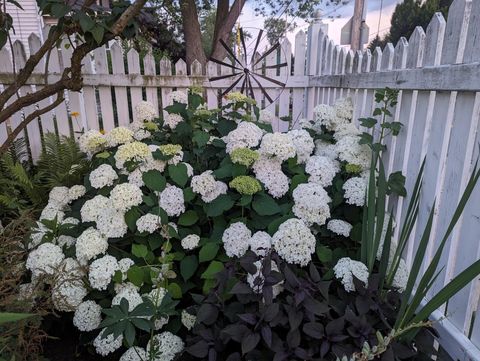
207,235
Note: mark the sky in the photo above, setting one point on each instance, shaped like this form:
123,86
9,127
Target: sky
376,20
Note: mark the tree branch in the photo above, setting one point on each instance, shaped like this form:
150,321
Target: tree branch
11,137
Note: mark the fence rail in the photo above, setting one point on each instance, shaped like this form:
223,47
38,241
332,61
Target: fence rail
437,73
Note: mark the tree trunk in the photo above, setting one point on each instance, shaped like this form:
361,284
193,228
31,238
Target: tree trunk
225,29
193,35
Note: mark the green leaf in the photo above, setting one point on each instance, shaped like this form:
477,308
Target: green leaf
298,179
324,254
265,205
176,108
135,275
103,155
154,180
175,290
86,22
13,317
396,184
366,138
200,138
368,122
98,32
188,194
178,173
208,252
129,334
188,218
188,266
245,200
139,250
131,217
213,268
219,205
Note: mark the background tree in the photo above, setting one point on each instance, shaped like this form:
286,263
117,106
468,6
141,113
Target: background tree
276,28
223,15
87,26
408,15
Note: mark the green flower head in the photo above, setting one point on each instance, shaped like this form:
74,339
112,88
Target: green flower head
244,156
170,149
353,168
237,97
245,184
151,126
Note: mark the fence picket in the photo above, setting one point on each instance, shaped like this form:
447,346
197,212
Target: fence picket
133,62
284,100
121,99
105,92
299,69
149,69
165,70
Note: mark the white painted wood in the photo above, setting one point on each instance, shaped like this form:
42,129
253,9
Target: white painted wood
121,99
376,65
472,43
456,32
299,69
106,103
284,100
212,93
89,96
149,69
435,36
133,62
166,70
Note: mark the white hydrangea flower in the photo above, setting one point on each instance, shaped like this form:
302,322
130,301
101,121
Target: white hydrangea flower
355,190
351,151
172,120
136,177
90,244
91,142
121,287
145,111
294,242
66,241
135,151
45,259
141,134
104,175
131,295
124,265
172,201
134,353
188,320
102,271
178,96
156,295
344,108
52,211
236,239
71,220
246,135
346,269
190,242
324,115
339,227
165,345
269,171
107,345
400,279
68,290
278,145
346,130
322,170
125,196
267,117
111,223
92,208
257,279
204,183
325,149
59,196
260,243
148,223
220,188
119,135
88,316
311,203
76,191
303,144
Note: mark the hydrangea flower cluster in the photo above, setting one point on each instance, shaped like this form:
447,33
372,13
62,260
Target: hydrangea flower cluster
147,224
346,269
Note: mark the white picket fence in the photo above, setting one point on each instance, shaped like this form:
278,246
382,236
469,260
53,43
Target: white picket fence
437,73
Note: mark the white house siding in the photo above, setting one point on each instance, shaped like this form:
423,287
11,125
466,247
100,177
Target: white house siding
26,21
